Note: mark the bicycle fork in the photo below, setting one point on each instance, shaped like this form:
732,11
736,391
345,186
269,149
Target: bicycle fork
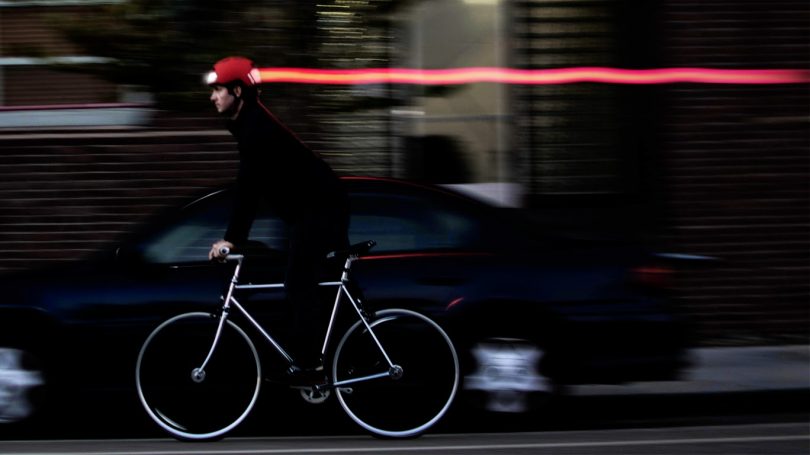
198,374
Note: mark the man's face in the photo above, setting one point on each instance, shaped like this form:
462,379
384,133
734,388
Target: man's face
223,100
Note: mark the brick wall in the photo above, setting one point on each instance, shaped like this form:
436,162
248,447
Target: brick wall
716,170
68,194
737,163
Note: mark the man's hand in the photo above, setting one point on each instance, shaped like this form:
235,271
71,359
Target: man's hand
217,250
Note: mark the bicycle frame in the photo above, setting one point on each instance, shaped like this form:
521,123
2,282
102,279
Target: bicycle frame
230,301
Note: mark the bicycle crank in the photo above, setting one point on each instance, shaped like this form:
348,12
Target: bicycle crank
314,395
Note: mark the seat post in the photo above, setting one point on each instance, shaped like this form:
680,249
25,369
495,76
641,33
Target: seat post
346,267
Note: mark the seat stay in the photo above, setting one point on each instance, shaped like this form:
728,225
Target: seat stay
368,327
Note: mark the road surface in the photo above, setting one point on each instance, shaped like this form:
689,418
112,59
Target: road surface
761,438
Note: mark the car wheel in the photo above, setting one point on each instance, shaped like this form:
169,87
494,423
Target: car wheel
504,375
22,383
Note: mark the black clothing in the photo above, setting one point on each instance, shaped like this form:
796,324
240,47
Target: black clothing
277,169
275,166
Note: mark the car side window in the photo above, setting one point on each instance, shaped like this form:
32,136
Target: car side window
190,238
397,222
408,223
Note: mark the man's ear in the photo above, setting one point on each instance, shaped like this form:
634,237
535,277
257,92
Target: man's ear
237,91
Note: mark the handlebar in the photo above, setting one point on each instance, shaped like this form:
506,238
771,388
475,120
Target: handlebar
225,251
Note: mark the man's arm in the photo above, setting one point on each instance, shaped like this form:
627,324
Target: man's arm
245,205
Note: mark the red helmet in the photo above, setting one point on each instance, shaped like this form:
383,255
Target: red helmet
231,70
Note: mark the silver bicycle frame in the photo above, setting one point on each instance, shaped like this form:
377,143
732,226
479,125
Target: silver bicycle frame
342,290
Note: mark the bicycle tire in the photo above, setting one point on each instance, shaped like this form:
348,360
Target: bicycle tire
393,407
191,409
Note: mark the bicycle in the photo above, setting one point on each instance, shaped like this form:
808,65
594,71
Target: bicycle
394,371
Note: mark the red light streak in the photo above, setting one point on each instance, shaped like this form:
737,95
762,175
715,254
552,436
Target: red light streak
457,76
454,303
417,255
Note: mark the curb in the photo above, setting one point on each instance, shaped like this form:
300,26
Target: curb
725,370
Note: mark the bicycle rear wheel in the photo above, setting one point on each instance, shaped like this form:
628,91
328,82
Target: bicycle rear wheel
198,406
410,398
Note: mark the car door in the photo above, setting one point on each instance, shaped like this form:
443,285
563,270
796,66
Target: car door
425,246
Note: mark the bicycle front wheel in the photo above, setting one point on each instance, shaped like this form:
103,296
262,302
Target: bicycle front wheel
190,403
404,400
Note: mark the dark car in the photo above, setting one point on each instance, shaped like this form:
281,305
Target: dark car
530,311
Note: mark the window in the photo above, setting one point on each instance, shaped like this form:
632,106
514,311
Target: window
396,222
190,238
406,223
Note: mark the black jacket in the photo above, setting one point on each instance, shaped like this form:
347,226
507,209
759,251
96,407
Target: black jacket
276,168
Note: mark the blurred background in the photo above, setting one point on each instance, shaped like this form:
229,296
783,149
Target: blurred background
104,121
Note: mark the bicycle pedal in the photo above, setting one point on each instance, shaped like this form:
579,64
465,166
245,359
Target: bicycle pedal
320,387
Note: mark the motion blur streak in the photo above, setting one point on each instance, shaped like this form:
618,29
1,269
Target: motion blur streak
533,77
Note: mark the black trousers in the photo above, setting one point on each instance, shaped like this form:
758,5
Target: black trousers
312,236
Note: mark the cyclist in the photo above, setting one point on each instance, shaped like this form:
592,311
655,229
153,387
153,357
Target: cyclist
276,168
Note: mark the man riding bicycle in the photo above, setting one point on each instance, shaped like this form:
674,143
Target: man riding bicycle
277,169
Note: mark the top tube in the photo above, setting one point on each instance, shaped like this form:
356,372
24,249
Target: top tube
354,251
235,257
